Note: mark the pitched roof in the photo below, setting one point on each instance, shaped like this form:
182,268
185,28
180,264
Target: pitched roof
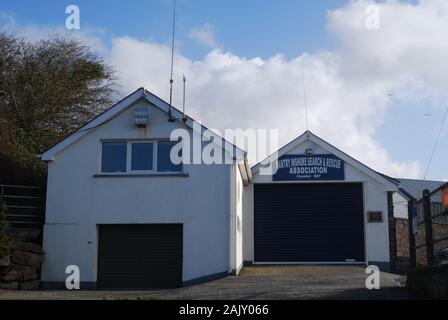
308,135
129,101
413,188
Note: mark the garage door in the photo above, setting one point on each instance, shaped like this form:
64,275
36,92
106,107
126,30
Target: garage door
308,223
140,256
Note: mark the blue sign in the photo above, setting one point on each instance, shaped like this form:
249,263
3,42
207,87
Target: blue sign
317,167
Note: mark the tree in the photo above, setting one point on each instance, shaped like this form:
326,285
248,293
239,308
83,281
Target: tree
48,89
5,241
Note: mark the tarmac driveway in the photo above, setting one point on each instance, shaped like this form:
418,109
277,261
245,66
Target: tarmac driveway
257,282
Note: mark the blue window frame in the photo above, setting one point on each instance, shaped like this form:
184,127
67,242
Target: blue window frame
142,156
164,163
114,156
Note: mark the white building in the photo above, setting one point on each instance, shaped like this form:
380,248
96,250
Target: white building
411,190
128,217
321,206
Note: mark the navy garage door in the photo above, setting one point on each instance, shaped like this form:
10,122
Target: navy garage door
140,256
308,222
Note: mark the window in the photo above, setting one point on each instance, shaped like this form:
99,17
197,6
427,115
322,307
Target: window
114,157
142,156
164,163
375,216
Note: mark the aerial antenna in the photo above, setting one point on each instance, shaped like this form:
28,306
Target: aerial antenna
170,116
436,142
304,97
184,118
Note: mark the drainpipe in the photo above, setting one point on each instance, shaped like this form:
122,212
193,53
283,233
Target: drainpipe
231,219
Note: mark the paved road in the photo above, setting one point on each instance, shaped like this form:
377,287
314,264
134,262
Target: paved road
260,282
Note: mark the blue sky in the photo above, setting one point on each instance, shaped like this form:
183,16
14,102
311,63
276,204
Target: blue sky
399,132
248,28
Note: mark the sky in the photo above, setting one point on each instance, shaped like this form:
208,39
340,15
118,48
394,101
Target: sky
378,92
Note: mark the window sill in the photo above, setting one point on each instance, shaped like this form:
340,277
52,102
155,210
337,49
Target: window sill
136,175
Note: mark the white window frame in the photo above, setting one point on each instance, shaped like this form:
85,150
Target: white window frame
157,163
100,166
129,171
129,156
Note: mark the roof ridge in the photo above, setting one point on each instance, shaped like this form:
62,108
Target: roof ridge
421,180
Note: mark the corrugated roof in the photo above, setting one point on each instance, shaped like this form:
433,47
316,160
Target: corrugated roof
414,188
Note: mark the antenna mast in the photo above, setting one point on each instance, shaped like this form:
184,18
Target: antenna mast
304,96
170,117
184,118
436,142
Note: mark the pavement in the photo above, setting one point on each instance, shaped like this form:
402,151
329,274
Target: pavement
256,282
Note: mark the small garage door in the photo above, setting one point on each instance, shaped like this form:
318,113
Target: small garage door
308,223
140,256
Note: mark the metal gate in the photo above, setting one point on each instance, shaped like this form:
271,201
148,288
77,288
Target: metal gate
428,228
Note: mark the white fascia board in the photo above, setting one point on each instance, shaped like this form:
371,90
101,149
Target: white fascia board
178,115
245,172
283,150
240,156
390,186
49,154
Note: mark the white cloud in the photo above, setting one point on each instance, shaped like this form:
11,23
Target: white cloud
204,35
228,91
91,37
347,89
7,21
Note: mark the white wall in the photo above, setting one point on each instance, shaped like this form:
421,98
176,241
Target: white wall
248,223
375,199
77,202
239,218
400,206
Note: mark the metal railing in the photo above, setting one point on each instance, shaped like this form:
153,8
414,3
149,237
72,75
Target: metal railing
423,215
24,204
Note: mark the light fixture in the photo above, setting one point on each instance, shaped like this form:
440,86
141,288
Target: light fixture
309,152
141,117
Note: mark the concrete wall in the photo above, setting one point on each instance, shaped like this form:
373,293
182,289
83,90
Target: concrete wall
375,199
77,202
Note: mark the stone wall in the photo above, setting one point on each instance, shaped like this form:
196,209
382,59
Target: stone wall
402,243
21,269
438,231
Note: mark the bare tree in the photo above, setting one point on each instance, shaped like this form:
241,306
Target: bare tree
48,89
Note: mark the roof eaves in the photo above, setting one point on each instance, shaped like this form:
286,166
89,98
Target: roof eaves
85,127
